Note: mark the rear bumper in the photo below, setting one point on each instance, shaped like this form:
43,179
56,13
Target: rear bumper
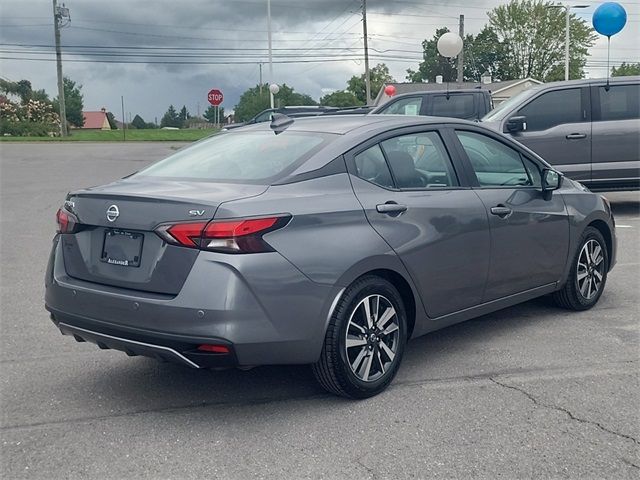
165,348
260,305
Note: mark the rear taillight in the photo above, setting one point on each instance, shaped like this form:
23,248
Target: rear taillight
66,221
228,236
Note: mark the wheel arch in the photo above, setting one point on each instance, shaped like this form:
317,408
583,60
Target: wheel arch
391,269
604,229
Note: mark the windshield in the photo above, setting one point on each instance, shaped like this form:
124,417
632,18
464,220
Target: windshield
498,113
243,157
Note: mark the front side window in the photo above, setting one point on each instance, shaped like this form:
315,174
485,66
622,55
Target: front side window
419,160
496,164
457,106
621,102
404,106
553,108
249,157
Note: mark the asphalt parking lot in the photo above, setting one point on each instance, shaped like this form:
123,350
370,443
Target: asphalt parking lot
530,391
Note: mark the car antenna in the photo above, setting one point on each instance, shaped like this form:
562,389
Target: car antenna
280,122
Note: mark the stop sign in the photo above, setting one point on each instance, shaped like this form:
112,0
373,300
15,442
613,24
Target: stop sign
215,97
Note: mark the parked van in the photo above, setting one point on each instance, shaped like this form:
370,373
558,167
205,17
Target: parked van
587,129
470,104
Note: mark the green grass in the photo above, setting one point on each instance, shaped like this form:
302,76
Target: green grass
151,135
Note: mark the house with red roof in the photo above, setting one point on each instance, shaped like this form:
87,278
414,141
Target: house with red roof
96,120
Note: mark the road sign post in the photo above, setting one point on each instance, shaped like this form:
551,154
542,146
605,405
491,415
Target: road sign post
215,98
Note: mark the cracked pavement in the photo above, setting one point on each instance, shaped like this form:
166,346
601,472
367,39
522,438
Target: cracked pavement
527,392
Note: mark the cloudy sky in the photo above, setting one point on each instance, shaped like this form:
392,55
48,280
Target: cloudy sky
176,51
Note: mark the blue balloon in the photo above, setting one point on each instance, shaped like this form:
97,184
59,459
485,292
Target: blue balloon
609,18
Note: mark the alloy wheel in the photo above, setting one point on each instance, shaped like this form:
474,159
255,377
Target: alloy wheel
590,269
372,338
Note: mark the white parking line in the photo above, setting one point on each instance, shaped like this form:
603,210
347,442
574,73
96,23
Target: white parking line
624,226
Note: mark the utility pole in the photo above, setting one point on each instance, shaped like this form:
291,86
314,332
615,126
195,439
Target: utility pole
367,76
260,79
58,14
461,54
270,59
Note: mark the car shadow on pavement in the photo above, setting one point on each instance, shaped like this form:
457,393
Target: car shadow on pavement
131,382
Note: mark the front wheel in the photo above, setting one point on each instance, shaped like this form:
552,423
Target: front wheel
588,274
365,340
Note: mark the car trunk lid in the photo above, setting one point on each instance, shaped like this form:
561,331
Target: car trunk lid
116,244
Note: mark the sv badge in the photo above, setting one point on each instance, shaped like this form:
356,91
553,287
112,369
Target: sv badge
196,213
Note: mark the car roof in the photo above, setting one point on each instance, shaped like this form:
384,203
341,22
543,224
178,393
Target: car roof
343,124
584,82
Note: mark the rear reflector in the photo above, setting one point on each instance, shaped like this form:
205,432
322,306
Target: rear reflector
228,236
214,348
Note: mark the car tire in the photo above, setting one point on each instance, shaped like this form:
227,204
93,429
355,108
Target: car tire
361,357
588,276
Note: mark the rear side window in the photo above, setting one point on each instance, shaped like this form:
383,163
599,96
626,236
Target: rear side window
372,166
242,157
496,164
553,108
621,102
419,160
457,106
404,106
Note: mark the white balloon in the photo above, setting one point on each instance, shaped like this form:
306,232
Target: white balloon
449,44
274,88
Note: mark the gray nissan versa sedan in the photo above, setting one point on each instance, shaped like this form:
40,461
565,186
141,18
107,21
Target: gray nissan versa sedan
327,241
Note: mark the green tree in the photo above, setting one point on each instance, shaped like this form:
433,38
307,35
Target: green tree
112,121
533,35
210,114
183,115
252,102
378,76
73,102
170,118
340,98
24,90
138,122
626,69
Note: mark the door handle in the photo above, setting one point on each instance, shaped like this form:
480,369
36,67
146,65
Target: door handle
576,136
501,211
391,208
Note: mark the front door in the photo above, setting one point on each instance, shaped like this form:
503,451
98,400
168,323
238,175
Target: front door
559,130
412,197
529,229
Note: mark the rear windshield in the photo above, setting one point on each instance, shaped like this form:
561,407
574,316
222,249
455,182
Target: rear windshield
242,157
458,106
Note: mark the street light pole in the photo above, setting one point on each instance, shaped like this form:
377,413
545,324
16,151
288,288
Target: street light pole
567,38
567,34
270,59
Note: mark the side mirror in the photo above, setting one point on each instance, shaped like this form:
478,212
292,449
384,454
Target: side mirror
516,124
551,180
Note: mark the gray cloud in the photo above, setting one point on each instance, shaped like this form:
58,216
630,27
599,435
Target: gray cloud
240,25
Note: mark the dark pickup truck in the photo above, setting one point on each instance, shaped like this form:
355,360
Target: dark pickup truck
471,104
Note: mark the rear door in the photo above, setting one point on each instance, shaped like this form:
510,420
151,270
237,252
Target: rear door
416,199
616,134
529,229
558,128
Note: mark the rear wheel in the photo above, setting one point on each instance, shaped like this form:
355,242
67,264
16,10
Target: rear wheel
365,340
588,273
